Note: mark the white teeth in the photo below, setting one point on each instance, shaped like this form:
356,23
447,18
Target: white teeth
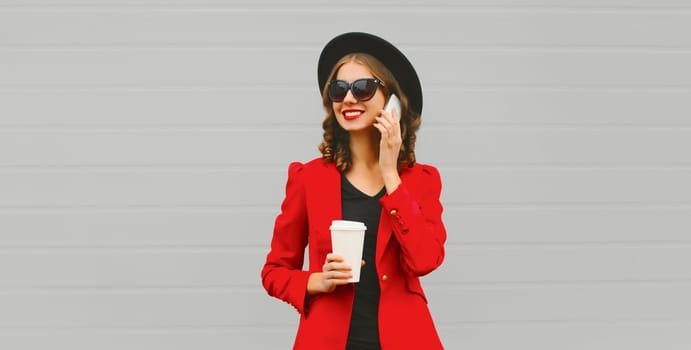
351,114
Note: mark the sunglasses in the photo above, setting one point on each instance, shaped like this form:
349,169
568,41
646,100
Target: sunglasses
362,89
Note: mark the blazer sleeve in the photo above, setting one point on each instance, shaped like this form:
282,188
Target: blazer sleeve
282,274
415,211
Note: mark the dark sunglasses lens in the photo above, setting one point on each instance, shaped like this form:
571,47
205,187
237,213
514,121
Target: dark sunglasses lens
364,89
338,89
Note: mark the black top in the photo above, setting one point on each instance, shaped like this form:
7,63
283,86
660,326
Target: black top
364,322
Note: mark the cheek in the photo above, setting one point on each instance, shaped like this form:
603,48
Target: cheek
376,103
336,107
379,100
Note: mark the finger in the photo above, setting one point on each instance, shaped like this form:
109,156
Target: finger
333,266
391,124
385,134
392,117
394,121
335,262
384,140
379,127
337,282
384,115
389,132
385,123
338,275
341,282
331,257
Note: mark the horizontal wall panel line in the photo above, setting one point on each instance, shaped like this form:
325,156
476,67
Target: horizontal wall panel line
304,126
147,249
310,88
137,208
123,290
196,249
212,168
556,204
556,165
163,128
562,323
533,125
279,46
460,86
448,205
428,125
274,208
76,168
144,209
593,87
573,244
261,248
428,285
211,328
283,168
168,88
187,47
318,7
272,326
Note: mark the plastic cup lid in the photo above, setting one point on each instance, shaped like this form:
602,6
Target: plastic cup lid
347,225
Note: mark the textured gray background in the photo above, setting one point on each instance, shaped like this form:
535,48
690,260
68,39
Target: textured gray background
144,147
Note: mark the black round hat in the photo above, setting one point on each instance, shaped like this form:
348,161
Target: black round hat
384,51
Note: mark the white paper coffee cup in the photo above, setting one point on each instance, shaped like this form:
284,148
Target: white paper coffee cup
347,240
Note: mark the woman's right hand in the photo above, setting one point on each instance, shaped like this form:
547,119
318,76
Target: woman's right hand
335,272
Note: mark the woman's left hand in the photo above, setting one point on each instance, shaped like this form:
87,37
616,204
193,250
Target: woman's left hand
389,147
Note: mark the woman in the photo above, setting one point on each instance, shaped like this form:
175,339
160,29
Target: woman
368,173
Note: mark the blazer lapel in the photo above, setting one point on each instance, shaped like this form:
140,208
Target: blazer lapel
384,232
385,229
326,192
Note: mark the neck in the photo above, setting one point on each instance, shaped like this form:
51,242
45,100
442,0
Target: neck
364,149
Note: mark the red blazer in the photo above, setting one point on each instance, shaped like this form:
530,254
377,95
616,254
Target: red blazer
410,243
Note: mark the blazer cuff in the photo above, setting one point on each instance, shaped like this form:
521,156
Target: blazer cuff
400,205
298,295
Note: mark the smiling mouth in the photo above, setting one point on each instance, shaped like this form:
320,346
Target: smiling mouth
351,115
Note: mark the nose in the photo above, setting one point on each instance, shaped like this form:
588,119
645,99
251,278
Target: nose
349,98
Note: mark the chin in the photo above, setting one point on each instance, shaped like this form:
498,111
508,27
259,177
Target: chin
353,127
358,124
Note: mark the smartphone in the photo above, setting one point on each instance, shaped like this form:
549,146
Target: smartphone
394,104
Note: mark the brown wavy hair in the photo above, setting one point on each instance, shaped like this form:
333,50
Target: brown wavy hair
335,143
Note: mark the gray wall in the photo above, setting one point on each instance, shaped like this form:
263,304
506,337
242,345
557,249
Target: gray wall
144,147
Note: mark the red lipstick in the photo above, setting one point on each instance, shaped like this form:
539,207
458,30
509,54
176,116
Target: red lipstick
351,114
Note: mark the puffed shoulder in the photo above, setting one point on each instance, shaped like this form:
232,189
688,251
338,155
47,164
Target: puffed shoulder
300,172
314,166
424,175
424,169
429,169
295,167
